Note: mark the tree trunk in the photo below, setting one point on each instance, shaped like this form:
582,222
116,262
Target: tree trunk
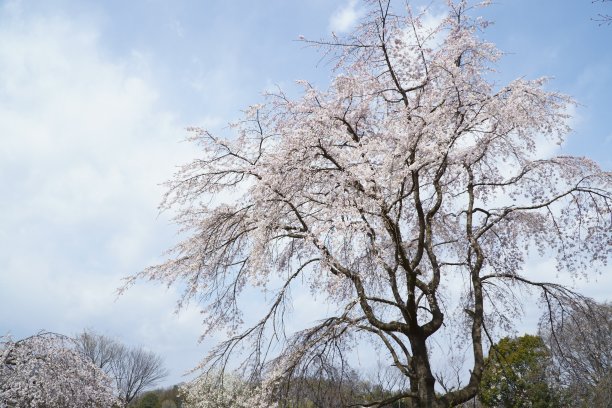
425,379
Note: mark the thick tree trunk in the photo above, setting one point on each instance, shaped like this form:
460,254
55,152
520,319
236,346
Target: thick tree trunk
425,379
427,395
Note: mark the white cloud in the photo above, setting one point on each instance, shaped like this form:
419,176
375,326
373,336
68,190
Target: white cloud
345,17
84,145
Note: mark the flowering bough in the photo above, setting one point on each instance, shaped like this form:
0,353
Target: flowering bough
408,195
45,370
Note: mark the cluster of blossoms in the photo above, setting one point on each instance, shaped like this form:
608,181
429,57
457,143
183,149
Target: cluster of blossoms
211,390
46,370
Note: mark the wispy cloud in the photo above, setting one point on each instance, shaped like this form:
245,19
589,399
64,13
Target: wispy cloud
345,17
177,27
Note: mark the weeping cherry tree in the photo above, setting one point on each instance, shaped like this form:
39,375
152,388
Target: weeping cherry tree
408,196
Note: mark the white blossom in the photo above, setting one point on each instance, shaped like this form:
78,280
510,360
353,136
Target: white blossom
46,370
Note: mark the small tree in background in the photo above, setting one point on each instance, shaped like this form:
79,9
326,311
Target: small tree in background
517,375
212,390
579,336
167,397
168,404
132,369
100,349
47,370
149,400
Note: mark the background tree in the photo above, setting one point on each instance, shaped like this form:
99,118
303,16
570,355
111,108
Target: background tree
317,391
169,404
132,369
168,397
517,375
47,370
149,400
408,195
135,371
100,349
218,391
580,339
326,389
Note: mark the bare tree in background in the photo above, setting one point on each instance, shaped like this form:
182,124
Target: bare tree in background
579,336
136,370
133,369
100,349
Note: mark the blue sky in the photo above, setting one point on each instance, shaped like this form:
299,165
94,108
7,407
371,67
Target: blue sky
94,99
